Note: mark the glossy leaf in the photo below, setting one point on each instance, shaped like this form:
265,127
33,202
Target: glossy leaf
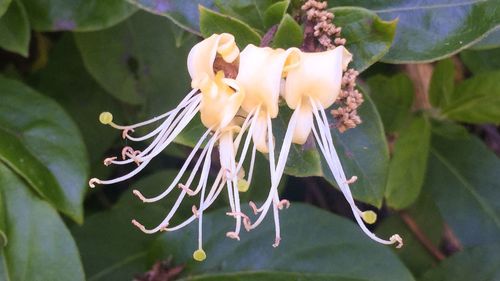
481,61
408,164
41,134
257,14
274,14
393,97
128,65
15,29
431,30
368,36
476,100
78,15
56,81
40,246
182,13
275,276
213,22
425,214
3,225
462,176
289,34
336,249
3,6
442,83
477,263
492,40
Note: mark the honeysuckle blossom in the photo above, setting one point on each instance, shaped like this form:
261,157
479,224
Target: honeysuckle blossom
310,88
261,72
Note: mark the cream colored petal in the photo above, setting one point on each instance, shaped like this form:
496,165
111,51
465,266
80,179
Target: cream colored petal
260,73
259,135
318,76
304,124
202,56
219,107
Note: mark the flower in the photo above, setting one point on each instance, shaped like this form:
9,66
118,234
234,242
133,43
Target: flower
310,88
260,73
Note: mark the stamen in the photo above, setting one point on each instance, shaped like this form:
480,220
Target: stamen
254,207
397,239
243,185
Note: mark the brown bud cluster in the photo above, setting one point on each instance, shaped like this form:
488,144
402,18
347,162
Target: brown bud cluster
349,99
327,34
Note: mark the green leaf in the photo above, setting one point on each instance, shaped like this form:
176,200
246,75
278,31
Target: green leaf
125,62
275,276
393,97
56,81
289,34
492,40
476,100
40,246
37,132
368,37
252,12
4,5
462,176
182,13
77,15
408,164
3,225
335,250
442,83
481,61
425,215
15,29
274,14
431,30
476,263
213,22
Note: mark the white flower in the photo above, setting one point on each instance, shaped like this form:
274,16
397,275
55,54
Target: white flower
310,88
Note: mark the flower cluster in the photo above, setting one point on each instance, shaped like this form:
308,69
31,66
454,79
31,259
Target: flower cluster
237,95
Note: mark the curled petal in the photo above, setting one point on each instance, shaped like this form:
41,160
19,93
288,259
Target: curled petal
318,76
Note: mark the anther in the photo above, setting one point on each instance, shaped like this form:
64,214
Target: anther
125,132
186,189
139,194
397,239
254,207
352,180
139,225
233,235
243,185
106,118
93,182
283,203
108,161
195,211
247,224
277,242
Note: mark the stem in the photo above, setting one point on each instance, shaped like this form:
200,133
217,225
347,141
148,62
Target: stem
421,237
269,36
420,74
